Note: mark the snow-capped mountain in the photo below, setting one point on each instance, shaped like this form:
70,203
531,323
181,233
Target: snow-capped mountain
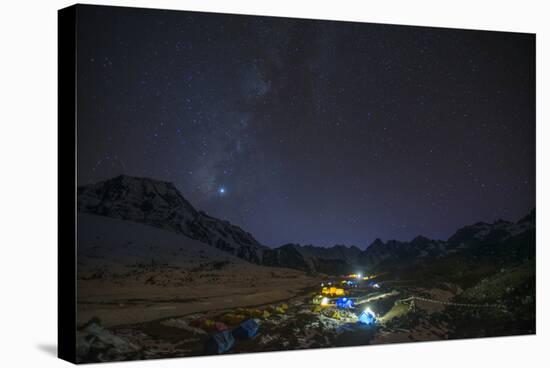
160,204
470,238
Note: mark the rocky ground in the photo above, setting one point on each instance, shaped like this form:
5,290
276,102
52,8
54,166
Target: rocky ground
298,323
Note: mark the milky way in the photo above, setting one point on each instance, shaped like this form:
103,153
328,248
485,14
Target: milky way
307,131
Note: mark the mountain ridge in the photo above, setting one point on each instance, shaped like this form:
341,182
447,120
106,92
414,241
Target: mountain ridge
160,204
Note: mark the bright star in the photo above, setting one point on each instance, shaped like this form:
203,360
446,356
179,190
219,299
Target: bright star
221,190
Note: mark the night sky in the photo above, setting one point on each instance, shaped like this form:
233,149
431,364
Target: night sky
312,132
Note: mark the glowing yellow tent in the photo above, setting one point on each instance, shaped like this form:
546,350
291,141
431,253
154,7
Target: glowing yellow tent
333,291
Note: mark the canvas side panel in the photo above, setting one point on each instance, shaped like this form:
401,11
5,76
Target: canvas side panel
67,184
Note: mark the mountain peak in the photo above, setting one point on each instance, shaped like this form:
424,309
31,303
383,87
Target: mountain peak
377,242
420,239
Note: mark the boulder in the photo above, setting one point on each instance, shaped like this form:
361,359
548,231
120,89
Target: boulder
95,343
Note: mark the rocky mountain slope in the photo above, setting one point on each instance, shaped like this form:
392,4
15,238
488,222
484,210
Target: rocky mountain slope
160,204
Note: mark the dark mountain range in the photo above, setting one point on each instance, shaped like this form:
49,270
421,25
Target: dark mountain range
160,204
472,253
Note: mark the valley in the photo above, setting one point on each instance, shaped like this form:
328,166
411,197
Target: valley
157,278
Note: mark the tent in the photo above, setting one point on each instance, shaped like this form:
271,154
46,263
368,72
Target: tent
256,313
247,329
333,291
367,317
220,326
208,324
336,315
344,303
317,299
233,319
220,343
